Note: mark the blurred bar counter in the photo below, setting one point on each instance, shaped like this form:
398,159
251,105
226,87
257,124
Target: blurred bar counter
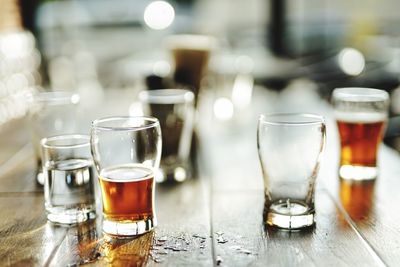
217,218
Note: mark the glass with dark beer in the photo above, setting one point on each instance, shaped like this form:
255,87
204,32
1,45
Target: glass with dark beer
190,53
175,111
361,115
126,153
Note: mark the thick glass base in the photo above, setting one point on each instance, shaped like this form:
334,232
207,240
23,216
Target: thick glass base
358,173
70,216
126,229
290,214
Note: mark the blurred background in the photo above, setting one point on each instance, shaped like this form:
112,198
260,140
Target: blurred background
91,46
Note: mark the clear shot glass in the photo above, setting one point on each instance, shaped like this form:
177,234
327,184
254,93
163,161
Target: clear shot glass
69,185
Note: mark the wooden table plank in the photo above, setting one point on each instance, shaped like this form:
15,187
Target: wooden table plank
25,236
373,206
241,239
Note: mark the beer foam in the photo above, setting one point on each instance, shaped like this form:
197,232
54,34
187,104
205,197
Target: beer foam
363,117
126,173
191,41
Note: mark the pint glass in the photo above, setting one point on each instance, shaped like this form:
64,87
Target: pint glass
126,152
361,115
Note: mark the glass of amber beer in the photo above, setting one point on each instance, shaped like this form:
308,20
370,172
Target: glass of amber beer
361,115
126,152
289,149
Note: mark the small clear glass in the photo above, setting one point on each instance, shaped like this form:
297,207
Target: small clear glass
361,115
174,109
69,177
289,149
126,153
51,113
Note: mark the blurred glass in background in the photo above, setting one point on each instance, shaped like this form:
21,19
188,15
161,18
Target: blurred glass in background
19,62
89,46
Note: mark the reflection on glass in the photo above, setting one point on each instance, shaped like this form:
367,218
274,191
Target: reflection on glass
127,252
85,237
357,197
106,250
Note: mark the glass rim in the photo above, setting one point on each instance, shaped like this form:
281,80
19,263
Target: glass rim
307,119
96,123
54,97
190,41
360,94
166,96
45,142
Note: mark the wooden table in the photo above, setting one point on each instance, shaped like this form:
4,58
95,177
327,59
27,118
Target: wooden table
217,218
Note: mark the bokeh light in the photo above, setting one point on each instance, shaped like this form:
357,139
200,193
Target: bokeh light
158,15
223,109
351,61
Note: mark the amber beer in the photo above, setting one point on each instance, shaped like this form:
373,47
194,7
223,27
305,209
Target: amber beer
357,197
127,192
360,137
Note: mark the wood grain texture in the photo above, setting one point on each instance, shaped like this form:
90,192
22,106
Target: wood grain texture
373,206
25,236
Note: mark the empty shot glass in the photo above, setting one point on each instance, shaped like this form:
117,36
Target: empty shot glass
361,115
174,109
289,149
51,113
126,153
69,176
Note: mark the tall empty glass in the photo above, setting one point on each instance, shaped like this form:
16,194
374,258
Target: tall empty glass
126,153
175,111
361,115
290,148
